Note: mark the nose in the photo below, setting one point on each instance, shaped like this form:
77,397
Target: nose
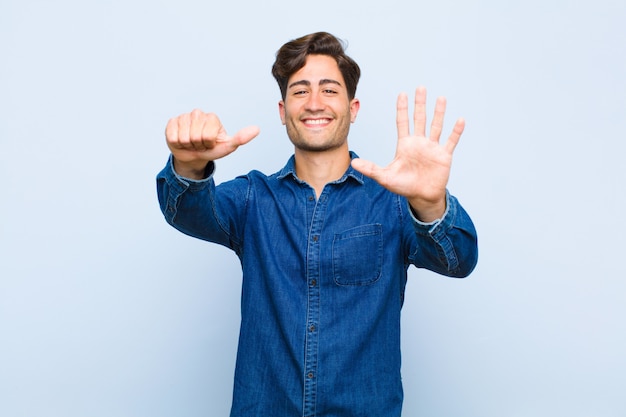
315,102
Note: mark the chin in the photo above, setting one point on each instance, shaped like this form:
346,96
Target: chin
317,147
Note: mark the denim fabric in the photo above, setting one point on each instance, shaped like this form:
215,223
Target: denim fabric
323,284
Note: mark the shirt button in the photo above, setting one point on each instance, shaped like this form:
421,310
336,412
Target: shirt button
310,375
315,238
311,198
312,328
313,283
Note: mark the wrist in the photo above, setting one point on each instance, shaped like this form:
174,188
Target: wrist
426,211
193,170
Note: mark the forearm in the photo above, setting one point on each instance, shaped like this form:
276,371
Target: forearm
188,205
447,245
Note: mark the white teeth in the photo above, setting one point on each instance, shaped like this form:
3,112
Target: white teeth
317,121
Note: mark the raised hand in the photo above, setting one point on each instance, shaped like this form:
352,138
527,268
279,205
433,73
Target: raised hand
197,138
421,166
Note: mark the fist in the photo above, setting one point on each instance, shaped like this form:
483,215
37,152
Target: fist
197,138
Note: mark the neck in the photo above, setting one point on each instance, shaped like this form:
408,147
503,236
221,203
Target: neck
320,168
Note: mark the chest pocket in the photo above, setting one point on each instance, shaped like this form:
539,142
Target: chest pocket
358,255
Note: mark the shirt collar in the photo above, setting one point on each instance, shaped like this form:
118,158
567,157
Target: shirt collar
290,170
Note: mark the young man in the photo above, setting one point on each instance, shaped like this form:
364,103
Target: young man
324,243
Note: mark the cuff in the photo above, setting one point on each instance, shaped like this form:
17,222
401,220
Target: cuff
445,221
188,183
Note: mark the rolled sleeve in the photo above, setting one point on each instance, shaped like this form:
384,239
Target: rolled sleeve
454,239
426,228
171,185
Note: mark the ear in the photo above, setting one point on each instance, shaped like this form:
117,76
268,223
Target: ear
355,105
281,110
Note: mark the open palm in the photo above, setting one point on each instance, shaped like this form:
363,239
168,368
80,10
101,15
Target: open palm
421,166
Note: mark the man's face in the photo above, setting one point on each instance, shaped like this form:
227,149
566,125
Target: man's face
316,109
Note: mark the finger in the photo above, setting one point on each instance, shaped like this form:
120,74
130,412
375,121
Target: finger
437,125
367,168
196,124
183,131
419,113
211,129
455,136
402,116
245,135
171,132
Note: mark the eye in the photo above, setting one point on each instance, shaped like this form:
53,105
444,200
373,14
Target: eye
329,91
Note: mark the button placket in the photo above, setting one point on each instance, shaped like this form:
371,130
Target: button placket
313,304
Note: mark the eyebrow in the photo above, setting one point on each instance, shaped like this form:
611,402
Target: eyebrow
308,83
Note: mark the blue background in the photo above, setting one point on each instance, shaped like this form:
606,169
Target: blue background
107,311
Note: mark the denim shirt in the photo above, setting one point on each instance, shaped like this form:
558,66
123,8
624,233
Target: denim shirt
323,283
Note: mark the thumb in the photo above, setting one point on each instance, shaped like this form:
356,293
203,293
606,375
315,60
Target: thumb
246,134
367,168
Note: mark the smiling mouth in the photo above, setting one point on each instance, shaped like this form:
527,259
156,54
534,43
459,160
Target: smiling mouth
316,122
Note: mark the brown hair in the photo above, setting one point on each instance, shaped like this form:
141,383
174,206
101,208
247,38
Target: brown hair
291,57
